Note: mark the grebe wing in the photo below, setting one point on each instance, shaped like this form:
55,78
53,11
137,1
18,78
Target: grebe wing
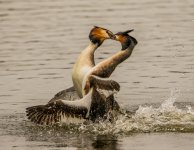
104,83
100,84
54,112
69,94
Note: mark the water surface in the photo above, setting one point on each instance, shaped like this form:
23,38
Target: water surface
39,41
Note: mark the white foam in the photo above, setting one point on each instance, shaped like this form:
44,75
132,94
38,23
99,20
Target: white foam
166,117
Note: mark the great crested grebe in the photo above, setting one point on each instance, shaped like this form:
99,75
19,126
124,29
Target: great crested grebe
84,63
105,68
95,103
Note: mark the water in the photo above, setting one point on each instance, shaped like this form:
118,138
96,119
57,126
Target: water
39,41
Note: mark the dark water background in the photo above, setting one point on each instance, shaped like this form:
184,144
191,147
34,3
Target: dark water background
39,41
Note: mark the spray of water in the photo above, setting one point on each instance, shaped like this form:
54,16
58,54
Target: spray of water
165,118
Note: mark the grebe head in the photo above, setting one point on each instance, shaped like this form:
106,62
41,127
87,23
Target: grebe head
98,35
126,40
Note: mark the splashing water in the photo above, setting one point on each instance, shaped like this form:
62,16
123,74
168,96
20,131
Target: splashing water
165,118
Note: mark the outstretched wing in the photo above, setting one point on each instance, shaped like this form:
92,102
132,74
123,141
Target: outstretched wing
100,84
69,94
55,111
104,83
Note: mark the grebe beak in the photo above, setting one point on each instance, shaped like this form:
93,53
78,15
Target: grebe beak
111,35
120,35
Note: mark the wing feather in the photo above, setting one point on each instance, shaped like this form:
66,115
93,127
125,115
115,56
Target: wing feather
104,83
100,84
55,111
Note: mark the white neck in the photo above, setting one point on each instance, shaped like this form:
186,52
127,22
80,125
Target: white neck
87,55
82,65
89,50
